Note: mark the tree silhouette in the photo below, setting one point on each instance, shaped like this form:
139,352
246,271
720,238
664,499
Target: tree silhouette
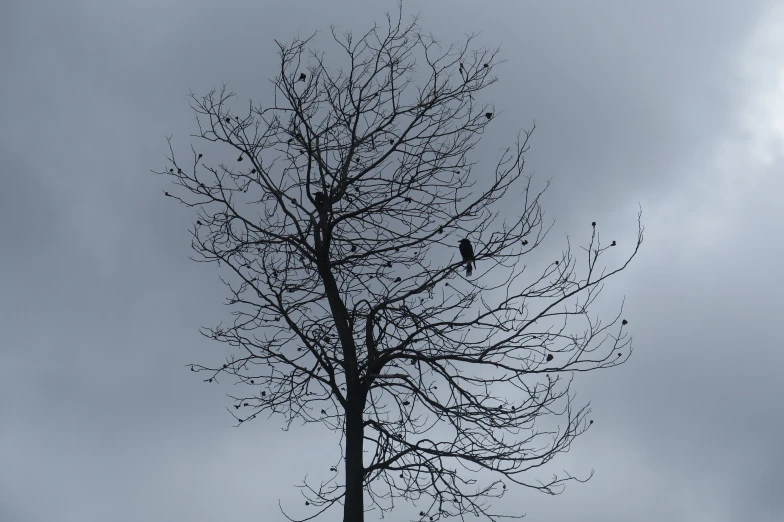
340,236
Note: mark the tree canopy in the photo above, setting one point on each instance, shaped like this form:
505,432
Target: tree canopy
338,220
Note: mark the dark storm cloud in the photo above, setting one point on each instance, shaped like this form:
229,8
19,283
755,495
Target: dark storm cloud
672,105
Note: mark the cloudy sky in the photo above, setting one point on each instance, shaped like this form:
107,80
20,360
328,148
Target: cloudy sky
676,106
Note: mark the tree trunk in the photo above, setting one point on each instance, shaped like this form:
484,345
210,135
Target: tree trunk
354,508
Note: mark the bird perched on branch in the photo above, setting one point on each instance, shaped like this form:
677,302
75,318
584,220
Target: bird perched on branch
467,251
319,199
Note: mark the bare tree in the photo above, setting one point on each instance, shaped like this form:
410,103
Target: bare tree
339,218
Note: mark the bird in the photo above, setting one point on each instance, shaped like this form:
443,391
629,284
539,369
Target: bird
624,322
302,77
240,158
318,197
488,115
593,224
549,357
467,251
613,243
525,242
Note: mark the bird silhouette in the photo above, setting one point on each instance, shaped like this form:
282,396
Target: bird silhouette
488,115
319,199
302,77
467,251
549,357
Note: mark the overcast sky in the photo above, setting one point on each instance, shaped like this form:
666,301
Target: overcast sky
676,106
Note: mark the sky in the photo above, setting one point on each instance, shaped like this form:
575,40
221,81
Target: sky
676,107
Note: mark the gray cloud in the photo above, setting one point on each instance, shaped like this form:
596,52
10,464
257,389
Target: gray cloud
673,106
